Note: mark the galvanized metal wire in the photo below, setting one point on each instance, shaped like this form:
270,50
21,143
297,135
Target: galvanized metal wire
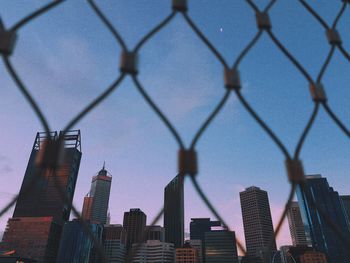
181,7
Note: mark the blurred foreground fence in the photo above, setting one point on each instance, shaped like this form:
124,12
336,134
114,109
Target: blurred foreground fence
187,160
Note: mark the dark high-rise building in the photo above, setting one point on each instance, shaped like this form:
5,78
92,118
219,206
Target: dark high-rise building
174,212
134,224
43,198
198,227
76,244
323,237
346,203
95,205
220,246
296,226
34,230
257,223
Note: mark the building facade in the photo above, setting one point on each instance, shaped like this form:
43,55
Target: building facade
155,233
313,257
174,211
43,197
32,237
220,247
47,192
296,226
95,205
134,224
114,243
346,203
153,251
198,228
257,223
316,190
198,245
76,244
186,254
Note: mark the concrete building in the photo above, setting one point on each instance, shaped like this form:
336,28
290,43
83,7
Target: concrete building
257,223
95,205
174,211
32,237
296,226
220,246
153,251
134,224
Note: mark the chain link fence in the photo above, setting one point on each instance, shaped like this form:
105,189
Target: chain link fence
187,157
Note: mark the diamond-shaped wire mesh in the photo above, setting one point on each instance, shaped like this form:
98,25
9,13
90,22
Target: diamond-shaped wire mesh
188,166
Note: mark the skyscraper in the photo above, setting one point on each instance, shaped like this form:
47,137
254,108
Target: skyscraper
134,224
35,228
43,198
323,237
95,205
220,246
296,226
174,211
257,223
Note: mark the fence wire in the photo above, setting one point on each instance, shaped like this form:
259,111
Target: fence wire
187,156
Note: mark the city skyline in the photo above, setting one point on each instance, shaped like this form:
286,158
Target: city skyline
141,154
44,219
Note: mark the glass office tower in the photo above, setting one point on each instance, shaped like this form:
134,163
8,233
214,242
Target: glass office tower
174,211
324,239
76,245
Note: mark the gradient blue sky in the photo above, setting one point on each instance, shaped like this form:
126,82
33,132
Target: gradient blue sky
67,57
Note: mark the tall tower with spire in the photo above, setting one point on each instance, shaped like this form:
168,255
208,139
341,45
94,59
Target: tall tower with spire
95,205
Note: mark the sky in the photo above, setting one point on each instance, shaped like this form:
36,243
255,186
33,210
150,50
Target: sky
67,57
